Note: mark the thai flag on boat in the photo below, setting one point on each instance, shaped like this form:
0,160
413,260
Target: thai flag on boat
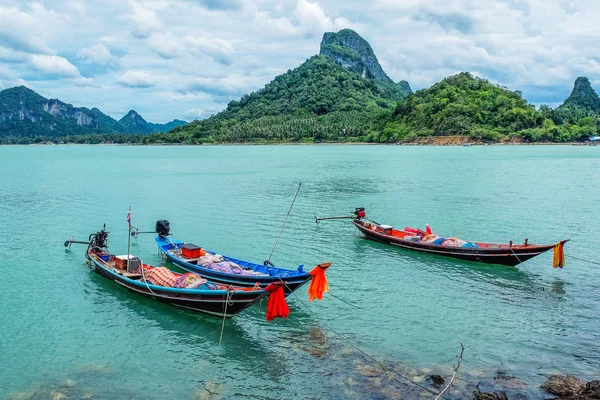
129,216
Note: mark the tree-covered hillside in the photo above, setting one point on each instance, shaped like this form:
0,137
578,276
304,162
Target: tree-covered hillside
469,106
582,102
319,99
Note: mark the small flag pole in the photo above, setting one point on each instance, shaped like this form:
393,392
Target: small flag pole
128,236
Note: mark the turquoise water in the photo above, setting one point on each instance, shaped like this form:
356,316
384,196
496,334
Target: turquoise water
67,331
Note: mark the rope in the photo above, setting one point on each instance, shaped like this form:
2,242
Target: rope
584,260
462,350
344,301
228,298
144,277
368,356
511,249
284,222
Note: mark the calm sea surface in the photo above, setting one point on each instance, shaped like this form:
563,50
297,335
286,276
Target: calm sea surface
66,331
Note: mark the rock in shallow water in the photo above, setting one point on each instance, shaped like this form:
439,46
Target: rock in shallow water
591,390
436,380
490,396
563,385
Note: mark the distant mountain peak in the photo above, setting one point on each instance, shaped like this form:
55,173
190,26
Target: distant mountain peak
583,96
133,115
25,113
350,50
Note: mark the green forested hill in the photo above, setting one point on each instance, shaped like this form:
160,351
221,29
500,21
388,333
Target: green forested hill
469,106
582,102
320,99
461,105
27,117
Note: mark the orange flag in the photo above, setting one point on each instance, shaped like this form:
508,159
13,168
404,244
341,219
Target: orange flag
318,283
559,256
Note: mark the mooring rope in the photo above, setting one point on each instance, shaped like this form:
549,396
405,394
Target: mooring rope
364,353
228,298
582,259
511,249
284,222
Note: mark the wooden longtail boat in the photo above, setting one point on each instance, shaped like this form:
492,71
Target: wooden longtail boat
210,298
490,253
261,274
247,273
419,240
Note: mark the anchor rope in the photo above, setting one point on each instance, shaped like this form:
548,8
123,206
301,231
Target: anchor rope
228,298
583,259
511,249
284,222
364,353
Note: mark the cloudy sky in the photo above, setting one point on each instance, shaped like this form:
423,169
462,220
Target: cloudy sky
187,58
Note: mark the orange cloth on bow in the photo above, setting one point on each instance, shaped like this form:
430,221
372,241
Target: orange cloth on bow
318,283
559,256
276,307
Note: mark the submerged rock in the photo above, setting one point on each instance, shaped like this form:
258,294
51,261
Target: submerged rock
436,380
592,390
563,385
506,380
490,396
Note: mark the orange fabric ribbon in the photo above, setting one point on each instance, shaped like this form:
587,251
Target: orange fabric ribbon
318,283
276,307
559,256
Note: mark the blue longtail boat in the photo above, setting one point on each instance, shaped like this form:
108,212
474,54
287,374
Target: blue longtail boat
227,270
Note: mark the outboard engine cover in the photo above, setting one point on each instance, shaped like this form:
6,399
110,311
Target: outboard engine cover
360,212
99,240
163,228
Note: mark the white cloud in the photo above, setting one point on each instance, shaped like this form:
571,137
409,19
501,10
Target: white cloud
168,45
54,66
144,20
199,113
27,30
273,26
137,79
97,54
313,19
232,85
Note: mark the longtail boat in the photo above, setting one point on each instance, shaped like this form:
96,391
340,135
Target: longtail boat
191,292
227,270
426,241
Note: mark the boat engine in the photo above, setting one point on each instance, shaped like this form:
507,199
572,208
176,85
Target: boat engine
360,212
163,228
99,240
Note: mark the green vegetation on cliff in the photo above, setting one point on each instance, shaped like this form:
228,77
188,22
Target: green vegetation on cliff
319,100
469,106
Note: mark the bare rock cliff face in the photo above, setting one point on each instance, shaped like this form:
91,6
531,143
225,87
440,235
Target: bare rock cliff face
348,49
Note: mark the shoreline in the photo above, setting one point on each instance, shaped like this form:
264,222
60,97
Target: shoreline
416,144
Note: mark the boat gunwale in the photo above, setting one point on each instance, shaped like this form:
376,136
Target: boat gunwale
216,293
294,275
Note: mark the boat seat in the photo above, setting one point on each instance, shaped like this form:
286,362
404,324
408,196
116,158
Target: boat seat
131,275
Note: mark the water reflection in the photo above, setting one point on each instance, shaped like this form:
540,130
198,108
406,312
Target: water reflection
558,287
